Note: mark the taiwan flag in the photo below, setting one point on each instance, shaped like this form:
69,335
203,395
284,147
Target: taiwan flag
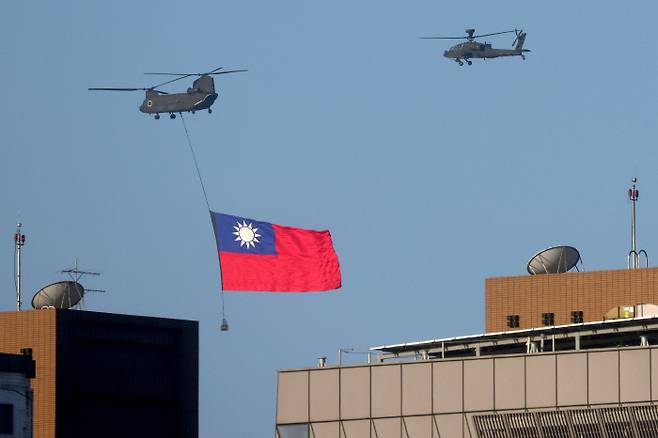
259,256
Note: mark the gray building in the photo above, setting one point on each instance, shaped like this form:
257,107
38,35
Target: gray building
16,372
596,379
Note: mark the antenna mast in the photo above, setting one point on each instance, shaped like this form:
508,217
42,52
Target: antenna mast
634,254
76,274
19,241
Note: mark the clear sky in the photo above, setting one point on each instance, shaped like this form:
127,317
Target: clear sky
430,176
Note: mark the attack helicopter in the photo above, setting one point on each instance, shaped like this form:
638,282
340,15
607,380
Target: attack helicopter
475,49
199,97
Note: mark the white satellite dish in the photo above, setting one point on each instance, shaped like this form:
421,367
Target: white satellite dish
554,260
60,295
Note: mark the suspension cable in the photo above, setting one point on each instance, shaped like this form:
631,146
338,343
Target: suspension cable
205,196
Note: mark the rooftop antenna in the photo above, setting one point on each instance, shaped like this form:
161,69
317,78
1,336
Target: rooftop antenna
634,254
76,274
19,242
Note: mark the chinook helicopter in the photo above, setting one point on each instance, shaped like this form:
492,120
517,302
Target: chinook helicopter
199,97
474,49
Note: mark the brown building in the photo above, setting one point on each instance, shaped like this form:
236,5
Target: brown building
556,299
107,375
16,371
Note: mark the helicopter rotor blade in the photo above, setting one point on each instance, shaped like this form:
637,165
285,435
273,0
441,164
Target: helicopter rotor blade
226,71
470,36
443,38
495,33
171,74
116,89
213,72
178,77
170,81
185,74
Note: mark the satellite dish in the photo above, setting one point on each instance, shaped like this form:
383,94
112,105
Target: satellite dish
554,260
60,295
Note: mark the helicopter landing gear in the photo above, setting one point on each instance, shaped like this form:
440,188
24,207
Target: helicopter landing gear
157,117
523,57
459,61
172,116
209,111
469,62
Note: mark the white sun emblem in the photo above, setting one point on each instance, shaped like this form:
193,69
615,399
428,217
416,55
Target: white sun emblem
246,234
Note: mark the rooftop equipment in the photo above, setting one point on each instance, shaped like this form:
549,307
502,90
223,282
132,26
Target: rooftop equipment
60,295
64,294
634,254
19,242
554,260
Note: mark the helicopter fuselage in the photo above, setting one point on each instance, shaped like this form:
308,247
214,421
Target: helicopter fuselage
156,102
199,97
473,49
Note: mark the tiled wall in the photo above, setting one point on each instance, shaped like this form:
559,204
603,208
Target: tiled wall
595,293
35,329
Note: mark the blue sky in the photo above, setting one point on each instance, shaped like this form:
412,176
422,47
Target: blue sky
430,176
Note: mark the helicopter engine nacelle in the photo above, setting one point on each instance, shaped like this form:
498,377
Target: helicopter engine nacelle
205,84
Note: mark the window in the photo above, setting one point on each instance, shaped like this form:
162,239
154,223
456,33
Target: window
6,419
512,321
577,316
293,431
548,318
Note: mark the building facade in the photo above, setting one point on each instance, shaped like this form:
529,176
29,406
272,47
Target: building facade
557,299
484,387
108,375
16,371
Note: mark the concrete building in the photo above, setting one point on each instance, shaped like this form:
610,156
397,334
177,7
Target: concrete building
106,375
16,371
592,378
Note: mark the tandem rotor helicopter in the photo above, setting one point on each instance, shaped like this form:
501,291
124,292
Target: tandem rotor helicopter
475,49
199,97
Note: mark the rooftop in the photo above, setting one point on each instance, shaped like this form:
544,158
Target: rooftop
633,332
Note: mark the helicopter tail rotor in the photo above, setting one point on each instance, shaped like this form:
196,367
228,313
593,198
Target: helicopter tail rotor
519,40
